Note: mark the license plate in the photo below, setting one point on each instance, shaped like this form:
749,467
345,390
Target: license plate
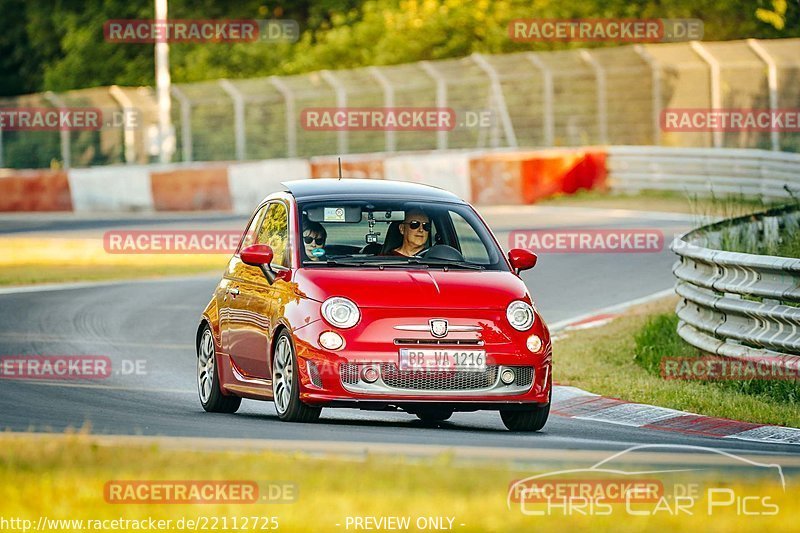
461,360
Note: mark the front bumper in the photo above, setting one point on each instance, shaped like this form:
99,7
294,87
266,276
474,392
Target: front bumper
335,378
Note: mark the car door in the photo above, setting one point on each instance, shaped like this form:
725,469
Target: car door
253,308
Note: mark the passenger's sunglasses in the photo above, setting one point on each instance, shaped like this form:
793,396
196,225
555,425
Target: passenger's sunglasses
415,224
309,239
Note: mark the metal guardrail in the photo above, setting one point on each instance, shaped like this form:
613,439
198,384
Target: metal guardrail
701,171
739,305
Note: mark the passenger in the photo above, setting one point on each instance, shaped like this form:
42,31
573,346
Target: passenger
314,237
416,232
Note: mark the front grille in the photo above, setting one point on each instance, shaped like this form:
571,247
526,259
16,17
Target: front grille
313,374
349,373
437,380
440,342
524,375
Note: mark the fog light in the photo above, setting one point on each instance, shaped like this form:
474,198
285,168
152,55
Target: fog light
331,340
507,376
370,374
534,343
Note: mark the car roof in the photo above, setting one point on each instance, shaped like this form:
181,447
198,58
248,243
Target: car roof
354,187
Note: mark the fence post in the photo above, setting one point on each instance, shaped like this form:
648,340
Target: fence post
238,117
186,122
291,121
441,99
716,87
66,154
388,102
128,133
499,98
341,103
772,81
602,101
655,68
547,97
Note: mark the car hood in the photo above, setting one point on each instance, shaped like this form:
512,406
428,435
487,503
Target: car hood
394,287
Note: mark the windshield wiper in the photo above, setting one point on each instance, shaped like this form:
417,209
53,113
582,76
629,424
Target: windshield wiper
338,262
450,264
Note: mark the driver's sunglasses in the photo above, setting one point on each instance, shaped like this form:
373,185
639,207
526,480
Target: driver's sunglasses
415,224
308,239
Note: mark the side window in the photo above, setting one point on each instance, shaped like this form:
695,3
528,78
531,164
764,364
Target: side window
250,236
471,245
275,232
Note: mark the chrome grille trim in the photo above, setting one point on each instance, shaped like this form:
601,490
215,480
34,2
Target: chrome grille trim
427,327
441,342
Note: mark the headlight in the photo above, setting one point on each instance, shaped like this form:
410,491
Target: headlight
340,312
520,315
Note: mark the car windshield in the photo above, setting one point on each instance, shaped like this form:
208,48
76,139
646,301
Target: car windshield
387,234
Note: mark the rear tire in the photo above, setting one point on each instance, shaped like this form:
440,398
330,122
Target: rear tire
286,384
434,415
211,397
529,420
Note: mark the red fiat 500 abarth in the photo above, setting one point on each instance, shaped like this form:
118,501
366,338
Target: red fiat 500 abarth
374,295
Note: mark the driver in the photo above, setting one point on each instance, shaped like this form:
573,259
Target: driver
416,231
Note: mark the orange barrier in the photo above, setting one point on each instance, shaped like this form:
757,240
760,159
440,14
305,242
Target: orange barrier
191,189
35,190
367,167
526,177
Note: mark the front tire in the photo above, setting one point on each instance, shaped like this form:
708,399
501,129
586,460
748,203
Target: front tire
286,384
211,397
532,419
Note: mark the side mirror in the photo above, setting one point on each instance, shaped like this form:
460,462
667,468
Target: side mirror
521,259
259,255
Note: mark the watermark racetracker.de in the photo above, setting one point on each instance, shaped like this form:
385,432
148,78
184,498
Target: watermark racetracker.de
730,120
140,31
618,30
623,240
67,367
198,492
68,118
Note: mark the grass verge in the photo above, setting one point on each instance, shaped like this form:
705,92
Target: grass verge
662,201
64,478
29,260
622,360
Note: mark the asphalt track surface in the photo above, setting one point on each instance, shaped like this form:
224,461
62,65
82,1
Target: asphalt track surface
155,322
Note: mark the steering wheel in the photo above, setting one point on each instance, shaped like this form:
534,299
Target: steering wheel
421,253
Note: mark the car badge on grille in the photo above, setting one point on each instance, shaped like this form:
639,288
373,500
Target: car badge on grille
438,328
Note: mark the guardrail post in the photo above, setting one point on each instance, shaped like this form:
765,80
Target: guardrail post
441,99
186,123
547,98
499,99
602,100
772,82
291,120
655,68
341,102
238,117
388,102
66,155
716,87
128,133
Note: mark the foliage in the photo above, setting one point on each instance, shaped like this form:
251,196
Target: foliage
59,45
